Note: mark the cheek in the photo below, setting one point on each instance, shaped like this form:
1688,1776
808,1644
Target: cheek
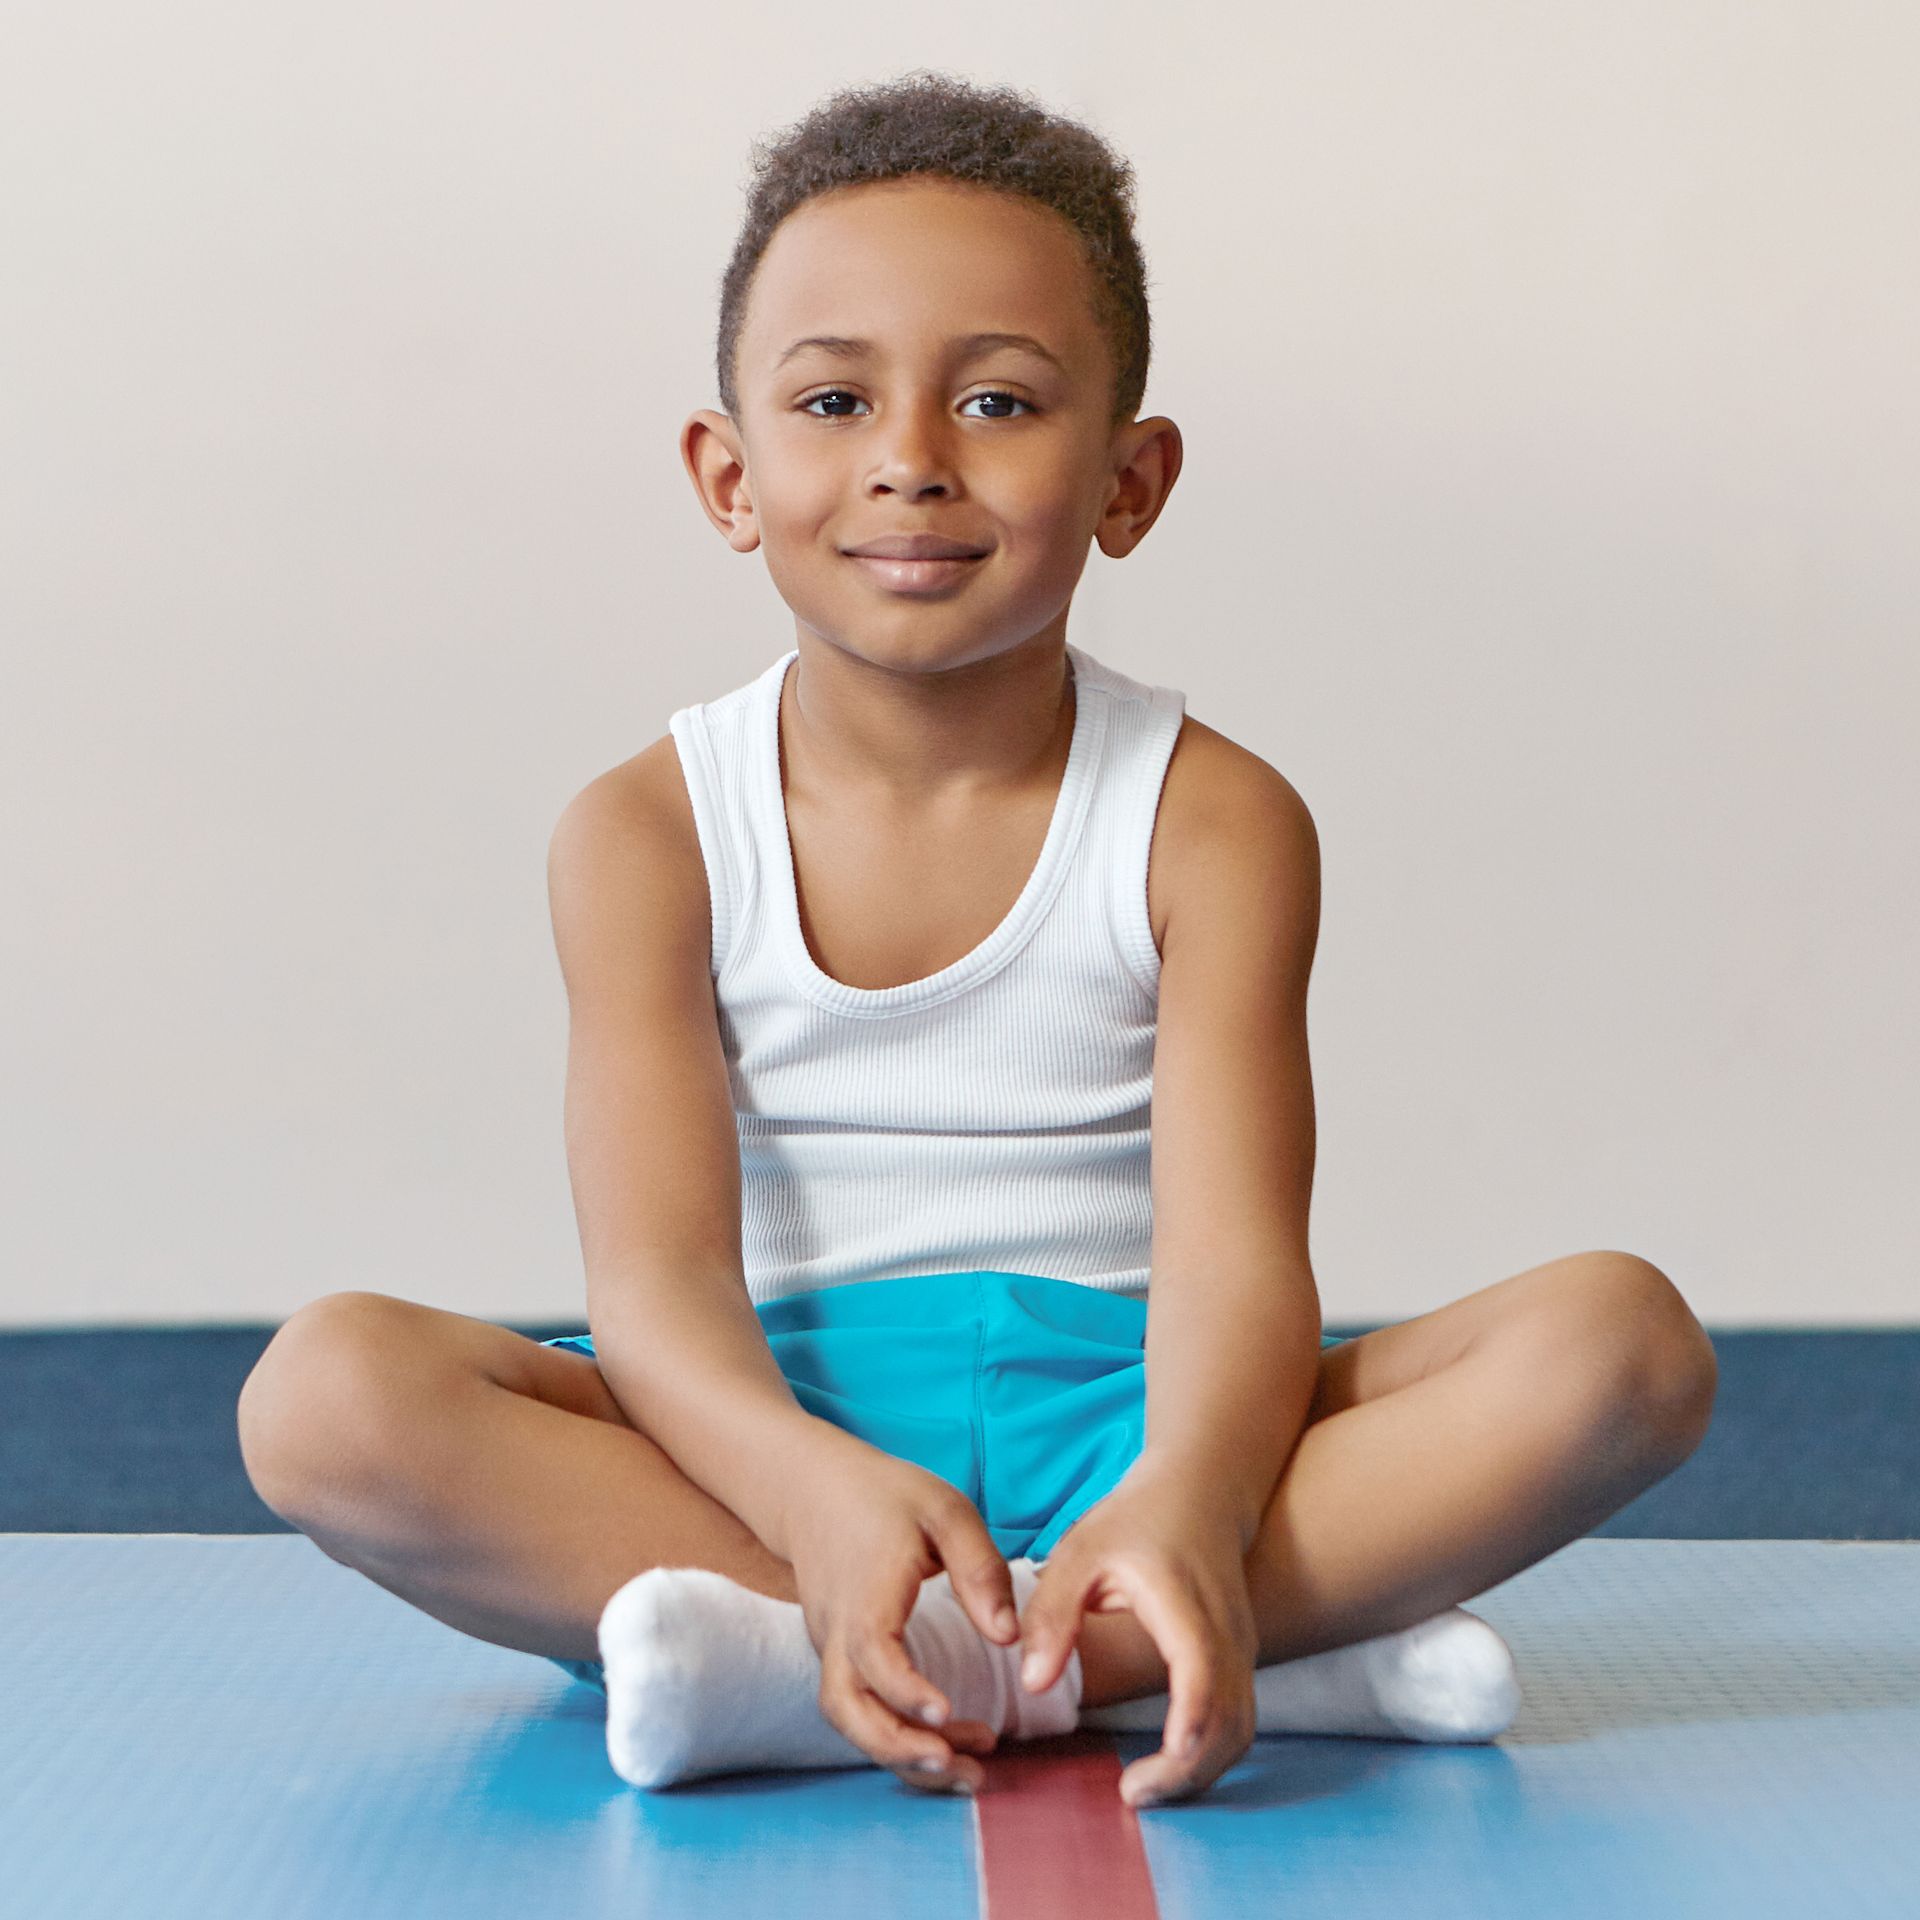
1051,529
795,516
1055,500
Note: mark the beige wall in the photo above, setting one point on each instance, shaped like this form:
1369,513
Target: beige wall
1551,408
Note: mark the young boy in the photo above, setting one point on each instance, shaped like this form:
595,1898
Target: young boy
884,971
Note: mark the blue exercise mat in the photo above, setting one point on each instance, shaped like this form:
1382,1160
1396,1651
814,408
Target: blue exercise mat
229,1728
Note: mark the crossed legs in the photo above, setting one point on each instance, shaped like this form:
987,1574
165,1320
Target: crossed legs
497,1485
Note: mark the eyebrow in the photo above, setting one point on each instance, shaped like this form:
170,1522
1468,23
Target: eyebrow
973,343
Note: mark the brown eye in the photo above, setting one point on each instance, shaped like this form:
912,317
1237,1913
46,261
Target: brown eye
832,393
997,395
840,393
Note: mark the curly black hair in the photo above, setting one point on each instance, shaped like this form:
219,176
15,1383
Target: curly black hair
999,137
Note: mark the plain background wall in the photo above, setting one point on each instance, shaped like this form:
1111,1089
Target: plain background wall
1549,386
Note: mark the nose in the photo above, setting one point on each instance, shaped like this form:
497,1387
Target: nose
913,455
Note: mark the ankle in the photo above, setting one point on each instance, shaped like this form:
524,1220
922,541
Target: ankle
1118,1660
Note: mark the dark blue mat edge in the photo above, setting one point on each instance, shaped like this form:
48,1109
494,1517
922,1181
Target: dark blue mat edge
130,1429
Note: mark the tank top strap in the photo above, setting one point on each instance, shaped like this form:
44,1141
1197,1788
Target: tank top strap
716,740
1143,724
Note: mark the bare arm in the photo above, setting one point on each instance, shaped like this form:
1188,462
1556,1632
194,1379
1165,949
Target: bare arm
1233,1321
1233,1316
655,1162
652,1150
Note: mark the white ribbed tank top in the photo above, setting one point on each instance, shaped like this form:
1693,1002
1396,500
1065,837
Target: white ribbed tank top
994,1115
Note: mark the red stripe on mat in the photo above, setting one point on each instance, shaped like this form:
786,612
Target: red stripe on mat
1056,1840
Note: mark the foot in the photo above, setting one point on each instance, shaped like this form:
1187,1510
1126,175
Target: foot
705,1676
1450,1678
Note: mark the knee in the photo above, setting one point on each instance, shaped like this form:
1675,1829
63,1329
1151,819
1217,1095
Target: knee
318,1397
1642,1347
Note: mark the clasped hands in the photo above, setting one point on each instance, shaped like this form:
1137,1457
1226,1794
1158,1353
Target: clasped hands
1161,1545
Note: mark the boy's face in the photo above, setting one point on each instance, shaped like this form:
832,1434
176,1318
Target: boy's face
920,429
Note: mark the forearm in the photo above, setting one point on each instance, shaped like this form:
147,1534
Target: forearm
686,1357
1233,1355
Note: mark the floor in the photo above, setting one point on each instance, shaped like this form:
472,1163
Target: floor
228,1726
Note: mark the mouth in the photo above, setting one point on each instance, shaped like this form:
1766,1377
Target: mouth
916,576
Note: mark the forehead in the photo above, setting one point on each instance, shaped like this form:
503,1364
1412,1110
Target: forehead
900,262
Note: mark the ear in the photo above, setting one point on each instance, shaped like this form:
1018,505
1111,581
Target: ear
715,457
1146,462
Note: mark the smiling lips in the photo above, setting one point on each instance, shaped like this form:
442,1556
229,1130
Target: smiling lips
916,546
916,562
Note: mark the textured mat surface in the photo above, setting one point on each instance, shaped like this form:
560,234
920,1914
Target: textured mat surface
131,1429
228,1727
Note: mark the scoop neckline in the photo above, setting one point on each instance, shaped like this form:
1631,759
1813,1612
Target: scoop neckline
1043,882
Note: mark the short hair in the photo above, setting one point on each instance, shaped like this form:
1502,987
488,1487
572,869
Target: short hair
995,137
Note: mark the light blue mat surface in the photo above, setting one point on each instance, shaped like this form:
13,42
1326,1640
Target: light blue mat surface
226,1726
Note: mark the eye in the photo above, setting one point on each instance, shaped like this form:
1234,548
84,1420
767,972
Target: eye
832,393
840,393
1014,397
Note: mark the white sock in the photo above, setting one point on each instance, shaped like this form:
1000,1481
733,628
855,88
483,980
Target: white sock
706,1676
1448,1678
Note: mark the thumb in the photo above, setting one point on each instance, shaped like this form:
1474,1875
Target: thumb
1051,1623
982,1581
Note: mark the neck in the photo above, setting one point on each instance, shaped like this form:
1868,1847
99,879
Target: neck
907,736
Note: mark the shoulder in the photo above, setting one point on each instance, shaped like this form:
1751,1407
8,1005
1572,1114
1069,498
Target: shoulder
1213,782
1233,837
644,796
627,841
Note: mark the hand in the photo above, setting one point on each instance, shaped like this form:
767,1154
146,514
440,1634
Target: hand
1158,1548
866,1530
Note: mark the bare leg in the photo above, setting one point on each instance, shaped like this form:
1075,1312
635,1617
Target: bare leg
488,1480
1444,1454
496,1484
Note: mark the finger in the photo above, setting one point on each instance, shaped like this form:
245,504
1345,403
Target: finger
982,1581
1051,1624
1154,1783
1180,1628
870,1723
933,1768
882,1664
1155,1779
970,1736
961,1775
1210,1715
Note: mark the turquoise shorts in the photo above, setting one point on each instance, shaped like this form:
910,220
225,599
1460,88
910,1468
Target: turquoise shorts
1026,1393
